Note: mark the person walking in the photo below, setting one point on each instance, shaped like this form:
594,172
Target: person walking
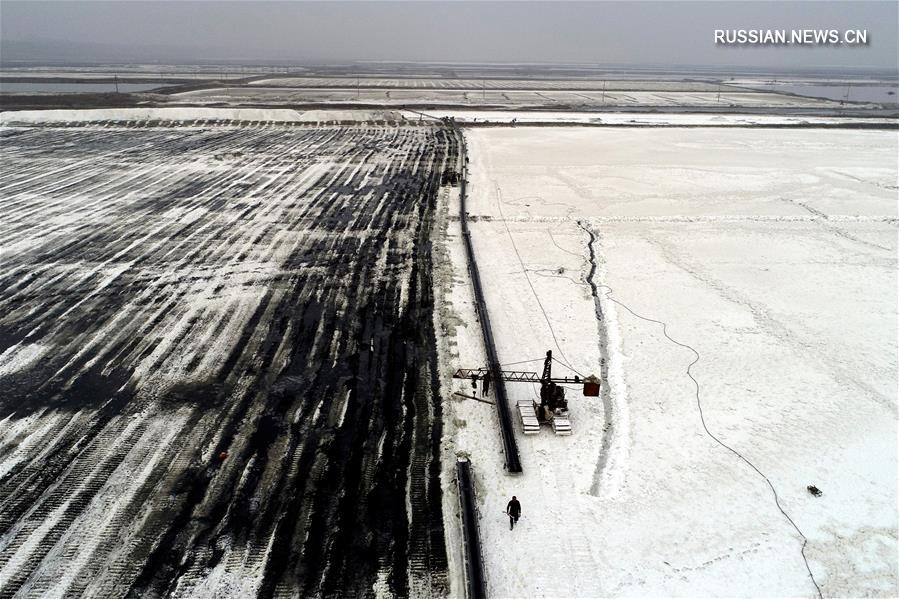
514,511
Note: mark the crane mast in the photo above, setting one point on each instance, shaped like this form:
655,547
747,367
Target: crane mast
553,407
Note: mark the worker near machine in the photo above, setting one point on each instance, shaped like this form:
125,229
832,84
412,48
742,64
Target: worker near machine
514,511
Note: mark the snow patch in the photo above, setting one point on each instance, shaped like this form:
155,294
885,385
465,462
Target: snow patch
19,357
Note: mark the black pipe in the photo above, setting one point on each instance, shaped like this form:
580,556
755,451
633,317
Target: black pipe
510,447
475,581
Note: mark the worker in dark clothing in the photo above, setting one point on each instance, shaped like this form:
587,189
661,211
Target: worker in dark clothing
514,511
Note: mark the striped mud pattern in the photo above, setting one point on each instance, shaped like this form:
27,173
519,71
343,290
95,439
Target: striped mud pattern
217,360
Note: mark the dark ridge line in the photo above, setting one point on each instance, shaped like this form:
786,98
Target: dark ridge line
154,99
864,126
605,393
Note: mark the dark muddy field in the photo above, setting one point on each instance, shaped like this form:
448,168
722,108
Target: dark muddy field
217,361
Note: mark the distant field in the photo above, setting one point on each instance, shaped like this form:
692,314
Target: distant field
496,97
511,84
54,87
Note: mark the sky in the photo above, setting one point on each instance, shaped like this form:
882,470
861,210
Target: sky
653,33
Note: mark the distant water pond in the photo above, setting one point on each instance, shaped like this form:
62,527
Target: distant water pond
76,88
879,94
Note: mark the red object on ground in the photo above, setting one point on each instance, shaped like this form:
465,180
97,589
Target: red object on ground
222,456
591,386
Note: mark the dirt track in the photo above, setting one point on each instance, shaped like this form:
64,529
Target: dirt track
168,294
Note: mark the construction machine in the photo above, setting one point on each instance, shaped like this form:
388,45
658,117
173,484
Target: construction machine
553,407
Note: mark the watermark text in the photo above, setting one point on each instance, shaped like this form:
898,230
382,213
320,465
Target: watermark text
790,37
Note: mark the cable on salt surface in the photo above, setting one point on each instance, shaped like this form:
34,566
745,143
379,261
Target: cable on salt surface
553,239
716,439
499,203
522,362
